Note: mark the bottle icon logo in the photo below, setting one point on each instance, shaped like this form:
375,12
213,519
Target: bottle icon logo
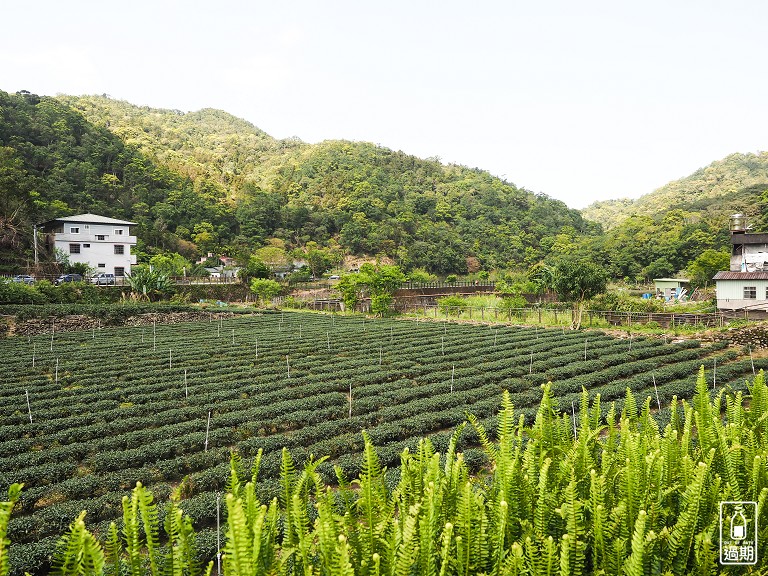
738,533
738,525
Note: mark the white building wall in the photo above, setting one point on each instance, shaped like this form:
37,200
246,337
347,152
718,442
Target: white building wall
730,294
97,245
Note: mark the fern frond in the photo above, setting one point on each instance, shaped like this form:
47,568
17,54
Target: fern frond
78,552
113,550
14,492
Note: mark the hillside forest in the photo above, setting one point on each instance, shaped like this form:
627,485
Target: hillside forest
208,182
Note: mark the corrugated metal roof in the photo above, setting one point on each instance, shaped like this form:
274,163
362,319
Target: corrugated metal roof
741,276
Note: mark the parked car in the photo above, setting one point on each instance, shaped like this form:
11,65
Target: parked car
103,279
25,278
334,277
68,278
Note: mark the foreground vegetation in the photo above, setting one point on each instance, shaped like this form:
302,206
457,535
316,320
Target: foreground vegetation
158,404
572,493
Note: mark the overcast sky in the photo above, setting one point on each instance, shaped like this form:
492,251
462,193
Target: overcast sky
582,101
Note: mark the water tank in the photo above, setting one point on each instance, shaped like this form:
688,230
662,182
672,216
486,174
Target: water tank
738,223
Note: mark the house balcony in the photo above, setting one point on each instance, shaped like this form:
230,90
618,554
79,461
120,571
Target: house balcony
96,238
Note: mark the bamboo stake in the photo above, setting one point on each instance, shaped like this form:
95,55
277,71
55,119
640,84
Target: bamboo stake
658,403
442,345
154,335
585,348
751,361
530,366
350,399
34,350
257,348
233,336
495,336
453,372
714,374
207,429
170,358
57,370
186,390
380,351
52,336
29,408
328,340
218,534
288,364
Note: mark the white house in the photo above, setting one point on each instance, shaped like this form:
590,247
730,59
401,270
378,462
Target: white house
102,243
745,285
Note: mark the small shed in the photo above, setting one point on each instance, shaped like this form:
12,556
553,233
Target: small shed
671,288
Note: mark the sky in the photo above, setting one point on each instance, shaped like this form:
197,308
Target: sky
582,101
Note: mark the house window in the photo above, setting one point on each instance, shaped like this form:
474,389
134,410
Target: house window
74,230
86,245
74,248
119,271
118,231
100,237
750,292
119,249
101,265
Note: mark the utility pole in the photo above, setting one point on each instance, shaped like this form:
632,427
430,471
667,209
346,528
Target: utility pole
34,242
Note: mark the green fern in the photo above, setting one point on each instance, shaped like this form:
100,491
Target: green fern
78,552
14,492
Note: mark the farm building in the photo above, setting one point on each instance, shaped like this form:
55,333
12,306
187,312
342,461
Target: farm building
745,285
102,243
671,288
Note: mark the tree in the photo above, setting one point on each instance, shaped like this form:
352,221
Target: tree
319,261
170,264
706,265
265,289
380,282
255,268
576,280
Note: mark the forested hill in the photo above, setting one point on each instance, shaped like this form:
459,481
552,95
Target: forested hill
207,181
737,183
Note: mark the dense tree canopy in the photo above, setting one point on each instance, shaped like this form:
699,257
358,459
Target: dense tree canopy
209,182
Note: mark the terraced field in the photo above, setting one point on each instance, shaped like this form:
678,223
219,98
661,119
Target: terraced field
84,416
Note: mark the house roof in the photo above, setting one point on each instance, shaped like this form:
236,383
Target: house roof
749,238
89,219
727,275
684,280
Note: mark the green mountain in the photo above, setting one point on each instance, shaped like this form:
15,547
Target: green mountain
734,184
204,181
